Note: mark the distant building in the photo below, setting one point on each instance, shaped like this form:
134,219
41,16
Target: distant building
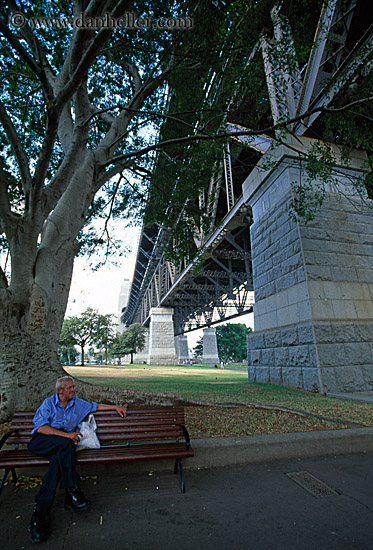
123,301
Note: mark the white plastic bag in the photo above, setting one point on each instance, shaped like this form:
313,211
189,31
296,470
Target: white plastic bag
89,439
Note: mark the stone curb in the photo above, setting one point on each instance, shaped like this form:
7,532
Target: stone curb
261,448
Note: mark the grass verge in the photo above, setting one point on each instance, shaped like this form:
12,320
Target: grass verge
221,403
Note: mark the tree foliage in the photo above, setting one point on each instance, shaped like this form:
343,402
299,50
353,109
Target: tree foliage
231,340
198,348
68,354
89,328
130,341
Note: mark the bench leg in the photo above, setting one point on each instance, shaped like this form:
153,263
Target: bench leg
179,464
14,477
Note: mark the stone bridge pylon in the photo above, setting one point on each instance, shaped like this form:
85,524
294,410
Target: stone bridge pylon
313,283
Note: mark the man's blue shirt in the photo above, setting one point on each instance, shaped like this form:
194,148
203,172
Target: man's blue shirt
53,414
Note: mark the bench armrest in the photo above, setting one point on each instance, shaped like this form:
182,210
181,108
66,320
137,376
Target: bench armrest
186,436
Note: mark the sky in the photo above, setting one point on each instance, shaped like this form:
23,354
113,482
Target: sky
100,289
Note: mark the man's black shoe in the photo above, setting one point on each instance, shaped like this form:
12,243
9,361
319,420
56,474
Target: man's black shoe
75,500
39,526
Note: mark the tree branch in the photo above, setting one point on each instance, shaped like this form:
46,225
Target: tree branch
24,55
35,47
17,148
3,280
89,55
224,135
133,71
74,157
81,70
119,130
111,173
102,113
161,115
340,109
44,158
66,128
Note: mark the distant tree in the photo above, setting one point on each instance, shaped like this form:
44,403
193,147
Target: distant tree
198,348
231,340
132,340
68,354
80,330
105,332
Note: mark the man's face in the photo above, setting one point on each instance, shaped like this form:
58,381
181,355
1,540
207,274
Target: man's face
68,392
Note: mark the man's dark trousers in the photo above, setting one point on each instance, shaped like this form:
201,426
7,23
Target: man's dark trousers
61,453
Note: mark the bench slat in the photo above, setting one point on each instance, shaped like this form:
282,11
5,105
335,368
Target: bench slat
23,458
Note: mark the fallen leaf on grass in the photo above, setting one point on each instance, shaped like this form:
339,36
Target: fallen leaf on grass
218,421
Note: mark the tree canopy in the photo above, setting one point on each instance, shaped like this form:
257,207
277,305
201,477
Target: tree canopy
89,328
231,340
130,341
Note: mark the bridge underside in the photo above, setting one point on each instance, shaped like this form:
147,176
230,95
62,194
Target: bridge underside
216,286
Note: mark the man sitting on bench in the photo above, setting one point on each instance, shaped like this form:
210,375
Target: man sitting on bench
55,436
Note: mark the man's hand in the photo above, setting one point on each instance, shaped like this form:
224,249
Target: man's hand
121,411
75,436
48,430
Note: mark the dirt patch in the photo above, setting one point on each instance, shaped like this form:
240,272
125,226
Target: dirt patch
217,421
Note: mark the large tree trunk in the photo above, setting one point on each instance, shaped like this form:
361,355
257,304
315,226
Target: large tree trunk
29,368
31,321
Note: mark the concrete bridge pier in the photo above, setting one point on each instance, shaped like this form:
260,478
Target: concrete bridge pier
313,312
210,347
142,356
161,337
182,351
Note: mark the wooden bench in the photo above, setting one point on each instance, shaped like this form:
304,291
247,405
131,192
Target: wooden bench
142,435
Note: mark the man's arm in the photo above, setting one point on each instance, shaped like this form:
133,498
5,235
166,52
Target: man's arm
48,430
120,410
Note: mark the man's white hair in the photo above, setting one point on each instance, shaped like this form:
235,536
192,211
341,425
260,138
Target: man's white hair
60,384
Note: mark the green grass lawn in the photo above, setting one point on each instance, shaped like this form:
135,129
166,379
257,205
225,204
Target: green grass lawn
253,408
188,381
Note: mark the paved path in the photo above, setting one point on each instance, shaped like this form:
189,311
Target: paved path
254,506
364,396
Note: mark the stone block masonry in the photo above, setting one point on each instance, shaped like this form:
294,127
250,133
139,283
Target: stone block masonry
313,283
181,345
210,346
161,337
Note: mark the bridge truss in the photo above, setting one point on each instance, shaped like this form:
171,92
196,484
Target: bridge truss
215,286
